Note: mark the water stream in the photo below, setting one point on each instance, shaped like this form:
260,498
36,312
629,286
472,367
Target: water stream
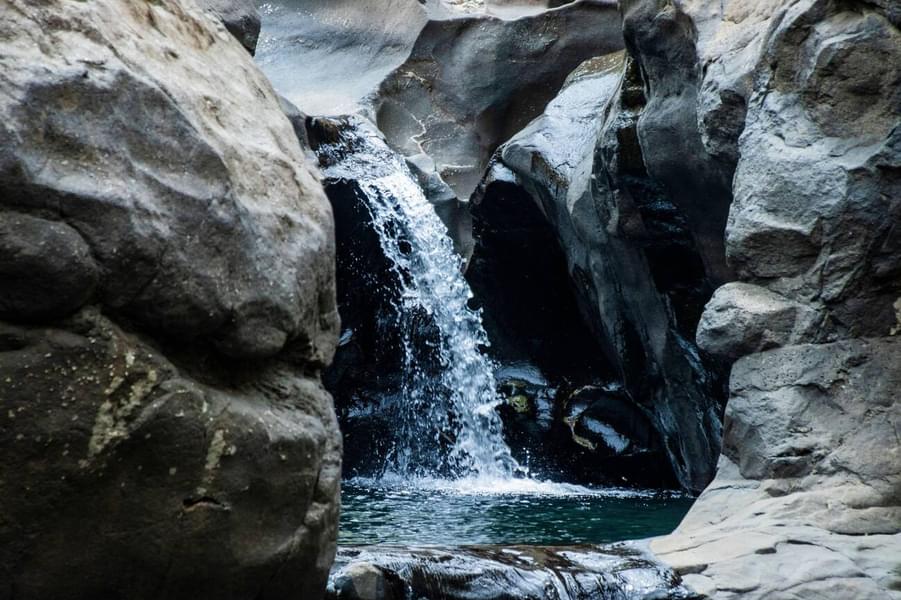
450,499
377,514
449,477
446,423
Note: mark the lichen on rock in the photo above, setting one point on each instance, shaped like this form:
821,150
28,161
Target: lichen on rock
166,304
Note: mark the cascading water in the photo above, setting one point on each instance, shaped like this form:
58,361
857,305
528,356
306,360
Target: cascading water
447,426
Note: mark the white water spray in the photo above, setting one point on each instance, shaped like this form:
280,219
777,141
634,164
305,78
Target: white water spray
447,423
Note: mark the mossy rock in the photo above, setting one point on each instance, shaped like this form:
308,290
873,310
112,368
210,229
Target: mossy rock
521,403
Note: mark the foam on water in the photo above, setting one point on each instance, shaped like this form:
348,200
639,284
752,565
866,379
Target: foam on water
490,486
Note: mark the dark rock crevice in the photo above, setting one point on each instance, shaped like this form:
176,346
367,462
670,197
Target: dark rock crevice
558,381
628,250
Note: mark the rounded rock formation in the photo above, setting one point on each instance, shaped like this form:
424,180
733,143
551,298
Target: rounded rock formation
167,302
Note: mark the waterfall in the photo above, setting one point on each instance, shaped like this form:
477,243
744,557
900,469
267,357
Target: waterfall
447,425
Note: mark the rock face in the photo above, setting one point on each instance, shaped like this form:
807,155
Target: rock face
801,100
470,83
752,146
805,503
637,273
428,72
166,304
240,17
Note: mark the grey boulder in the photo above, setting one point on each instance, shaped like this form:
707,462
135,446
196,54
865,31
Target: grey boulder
805,503
802,98
127,476
167,302
191,238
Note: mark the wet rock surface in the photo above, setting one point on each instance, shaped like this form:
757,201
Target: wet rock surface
166,305
633,268
622,571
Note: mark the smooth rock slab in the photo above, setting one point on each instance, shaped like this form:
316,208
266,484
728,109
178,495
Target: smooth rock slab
806,501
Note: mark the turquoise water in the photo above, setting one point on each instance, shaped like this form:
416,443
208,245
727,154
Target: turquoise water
555,515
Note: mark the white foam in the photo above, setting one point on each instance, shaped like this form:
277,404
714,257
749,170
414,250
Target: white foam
492,486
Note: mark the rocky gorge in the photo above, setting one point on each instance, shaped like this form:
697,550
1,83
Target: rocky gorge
679,223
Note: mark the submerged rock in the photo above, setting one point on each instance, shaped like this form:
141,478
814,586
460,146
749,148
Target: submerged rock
593,435
618,572
166,304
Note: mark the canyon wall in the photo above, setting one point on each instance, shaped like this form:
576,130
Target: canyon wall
805,99
754,148
166,305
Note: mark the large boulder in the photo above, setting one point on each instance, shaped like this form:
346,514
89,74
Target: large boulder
166,304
